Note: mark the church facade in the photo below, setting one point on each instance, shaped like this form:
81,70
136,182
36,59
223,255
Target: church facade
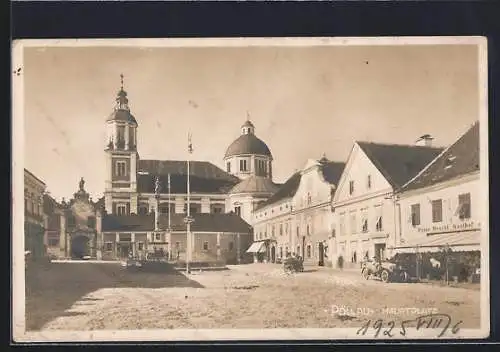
144,208
145,202
130,181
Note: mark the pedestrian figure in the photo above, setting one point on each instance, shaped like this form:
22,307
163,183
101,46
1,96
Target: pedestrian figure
340,262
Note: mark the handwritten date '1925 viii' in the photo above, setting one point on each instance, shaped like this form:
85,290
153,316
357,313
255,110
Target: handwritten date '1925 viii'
429,321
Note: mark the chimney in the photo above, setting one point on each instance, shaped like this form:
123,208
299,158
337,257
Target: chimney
424,141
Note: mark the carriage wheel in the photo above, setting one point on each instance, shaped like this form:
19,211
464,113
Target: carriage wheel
384,276
365,274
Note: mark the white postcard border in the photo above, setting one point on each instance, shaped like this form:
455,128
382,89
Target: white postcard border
18,284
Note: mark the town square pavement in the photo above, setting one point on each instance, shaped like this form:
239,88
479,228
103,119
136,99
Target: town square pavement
90,296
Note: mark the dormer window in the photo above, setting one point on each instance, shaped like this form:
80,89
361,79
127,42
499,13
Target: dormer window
449,161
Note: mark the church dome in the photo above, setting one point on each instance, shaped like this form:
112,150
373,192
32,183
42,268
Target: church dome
248,144
122,115
255,184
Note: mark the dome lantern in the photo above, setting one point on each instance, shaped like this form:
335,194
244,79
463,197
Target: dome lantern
248,127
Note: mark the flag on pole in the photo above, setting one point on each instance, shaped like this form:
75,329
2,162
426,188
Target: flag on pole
190,145
157,185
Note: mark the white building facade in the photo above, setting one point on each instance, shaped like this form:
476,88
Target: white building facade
364,219
312,210
296,220
443,206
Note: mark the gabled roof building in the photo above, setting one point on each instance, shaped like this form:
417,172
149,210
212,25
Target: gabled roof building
363,206
442,206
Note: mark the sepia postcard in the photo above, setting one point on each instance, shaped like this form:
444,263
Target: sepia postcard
250,189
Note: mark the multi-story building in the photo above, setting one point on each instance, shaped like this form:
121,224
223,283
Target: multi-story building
272,221
136,188
443,204
296,219
363,206
35,240
55,229
312,209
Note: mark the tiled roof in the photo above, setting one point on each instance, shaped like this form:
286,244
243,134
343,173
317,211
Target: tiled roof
204,177
399,163
461,158
255,184
229,222
331,171
286,190
248,144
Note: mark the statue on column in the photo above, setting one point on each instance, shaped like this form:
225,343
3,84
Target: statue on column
82,184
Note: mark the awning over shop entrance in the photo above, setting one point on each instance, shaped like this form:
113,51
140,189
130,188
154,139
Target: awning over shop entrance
256,247
457,241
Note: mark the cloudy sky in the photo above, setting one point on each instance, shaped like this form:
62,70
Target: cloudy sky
304,101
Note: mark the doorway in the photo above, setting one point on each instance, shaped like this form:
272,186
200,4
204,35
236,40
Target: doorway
79,247
380,251
321,254
124,249
303,255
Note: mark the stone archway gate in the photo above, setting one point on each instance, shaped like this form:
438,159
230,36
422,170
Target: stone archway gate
82,243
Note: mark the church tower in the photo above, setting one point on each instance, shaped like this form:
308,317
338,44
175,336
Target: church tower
121,158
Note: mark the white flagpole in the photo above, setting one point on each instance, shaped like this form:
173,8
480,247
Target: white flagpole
157,203
169,228
188,219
